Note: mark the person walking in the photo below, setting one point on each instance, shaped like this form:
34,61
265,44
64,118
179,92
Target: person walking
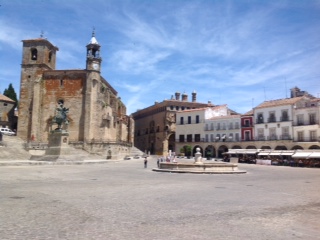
145,162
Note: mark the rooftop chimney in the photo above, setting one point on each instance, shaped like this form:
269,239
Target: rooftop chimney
177,96
184,97
194,96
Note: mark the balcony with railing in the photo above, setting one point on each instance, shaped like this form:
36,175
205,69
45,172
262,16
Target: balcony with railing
190,140
285,137
273,137
246,139
271,119
305,123
260,138
208,128
190,122
307,139
259,120
284,119
217,139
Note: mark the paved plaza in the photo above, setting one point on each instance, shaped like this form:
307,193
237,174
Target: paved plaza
122,200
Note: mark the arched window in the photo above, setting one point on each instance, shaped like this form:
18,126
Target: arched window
34,54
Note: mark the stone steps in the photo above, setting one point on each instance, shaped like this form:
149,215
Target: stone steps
12,148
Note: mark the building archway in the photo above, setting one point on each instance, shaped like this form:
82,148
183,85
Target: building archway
314,147
210,151
171,142
236,147
222,149
251,147
187,149
194,150
265,147
297,147
281,148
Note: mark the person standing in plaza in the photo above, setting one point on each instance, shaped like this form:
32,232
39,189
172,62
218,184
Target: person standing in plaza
145,162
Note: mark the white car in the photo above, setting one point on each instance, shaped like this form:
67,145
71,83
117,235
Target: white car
7,131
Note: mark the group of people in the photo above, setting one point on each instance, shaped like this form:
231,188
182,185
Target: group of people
296,162
168,159
278,161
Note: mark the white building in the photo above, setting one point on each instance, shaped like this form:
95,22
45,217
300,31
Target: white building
273,119
283,124
223,128
190,124
306,120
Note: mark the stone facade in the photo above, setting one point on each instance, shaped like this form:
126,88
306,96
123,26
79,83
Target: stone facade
97,117
155,126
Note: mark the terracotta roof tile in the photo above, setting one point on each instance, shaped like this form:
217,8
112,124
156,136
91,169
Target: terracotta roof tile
5,98
249,113
279,102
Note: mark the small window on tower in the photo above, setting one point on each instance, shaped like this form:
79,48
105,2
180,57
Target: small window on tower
50,56
61,82
34,54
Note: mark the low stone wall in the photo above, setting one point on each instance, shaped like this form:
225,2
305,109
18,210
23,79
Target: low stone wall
217,167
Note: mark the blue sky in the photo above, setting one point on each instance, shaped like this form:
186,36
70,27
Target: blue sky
237,52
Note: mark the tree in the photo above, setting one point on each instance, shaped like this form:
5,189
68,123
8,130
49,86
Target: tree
188,150
11,93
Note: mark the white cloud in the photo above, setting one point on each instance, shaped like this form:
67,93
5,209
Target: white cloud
138,59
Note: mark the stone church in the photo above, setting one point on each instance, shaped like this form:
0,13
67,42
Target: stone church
97,116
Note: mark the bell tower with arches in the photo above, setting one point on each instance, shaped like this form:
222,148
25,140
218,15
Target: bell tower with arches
93,54
93,81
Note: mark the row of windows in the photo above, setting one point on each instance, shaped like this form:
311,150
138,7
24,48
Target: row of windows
311,119
178,108
272,116
189,120
146,131
210,137
310,136
224,126
302,121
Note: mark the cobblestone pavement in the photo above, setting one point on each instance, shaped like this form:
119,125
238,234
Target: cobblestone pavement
122,200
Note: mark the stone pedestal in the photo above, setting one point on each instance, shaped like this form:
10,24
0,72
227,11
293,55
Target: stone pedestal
58,143
198,157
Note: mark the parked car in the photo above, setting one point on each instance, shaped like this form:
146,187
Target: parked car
7,131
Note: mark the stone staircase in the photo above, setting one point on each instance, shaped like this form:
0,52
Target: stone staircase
134,153
12,148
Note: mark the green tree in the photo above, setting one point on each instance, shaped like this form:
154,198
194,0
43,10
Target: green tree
11,93
187,150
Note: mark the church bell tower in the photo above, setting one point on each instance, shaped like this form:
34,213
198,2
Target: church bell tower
93,54
38,56
93,68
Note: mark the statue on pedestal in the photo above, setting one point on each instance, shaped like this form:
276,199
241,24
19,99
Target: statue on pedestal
61,116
